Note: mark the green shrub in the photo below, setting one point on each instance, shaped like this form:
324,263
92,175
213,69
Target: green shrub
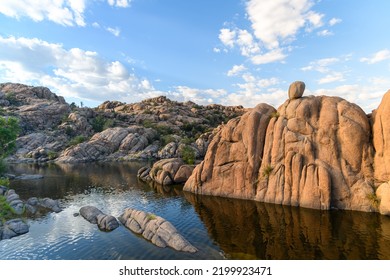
12,99
267,171
98,123
52,155
188,155
77,140
4,182
375,201
9,130
166,139
275,114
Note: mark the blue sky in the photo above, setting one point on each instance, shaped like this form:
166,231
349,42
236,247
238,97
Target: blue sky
221,51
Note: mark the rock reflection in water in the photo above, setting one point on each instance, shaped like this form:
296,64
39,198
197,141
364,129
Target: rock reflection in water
252,230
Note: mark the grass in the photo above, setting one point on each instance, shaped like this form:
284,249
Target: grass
275,114
267,171
375,201
77,140
151,216
4,182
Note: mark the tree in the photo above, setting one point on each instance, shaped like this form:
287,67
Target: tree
9,130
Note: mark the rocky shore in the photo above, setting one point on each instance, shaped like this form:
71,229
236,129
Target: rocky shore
318,152
156,128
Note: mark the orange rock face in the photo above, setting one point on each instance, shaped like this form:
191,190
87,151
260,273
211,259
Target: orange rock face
313,152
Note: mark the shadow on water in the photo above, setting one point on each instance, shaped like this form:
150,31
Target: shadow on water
253,230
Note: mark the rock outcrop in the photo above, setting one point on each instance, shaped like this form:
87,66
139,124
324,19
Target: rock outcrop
111,144
166,172
381,139
13,228
50,128
95,216
155,229
314,152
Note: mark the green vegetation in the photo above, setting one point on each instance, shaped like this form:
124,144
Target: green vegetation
11,97
52,155
188,155
151,216
166,139
98,123
101,123
267,171
9,130
375,201
77,140
4,182
275,114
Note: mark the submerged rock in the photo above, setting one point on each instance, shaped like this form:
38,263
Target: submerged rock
155,229
95,216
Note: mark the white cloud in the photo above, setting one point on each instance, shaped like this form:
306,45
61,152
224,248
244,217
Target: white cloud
63,12
199,96
96,25
321,65
278,20
333,77
271,56
119,3
368,95
70,72
236,70
377,57
227,37
114,31
325,33
247,45
216,50
334,21
67,13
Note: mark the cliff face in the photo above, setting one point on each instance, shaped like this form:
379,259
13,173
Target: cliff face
315,152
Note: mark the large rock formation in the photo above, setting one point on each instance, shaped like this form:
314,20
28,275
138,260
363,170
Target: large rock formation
381,139
233,158
314,152
155,229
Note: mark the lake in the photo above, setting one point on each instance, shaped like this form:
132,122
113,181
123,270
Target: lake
220,228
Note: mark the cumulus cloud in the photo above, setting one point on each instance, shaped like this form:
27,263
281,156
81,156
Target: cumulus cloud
70,72
236,70
63,12
268,57
199,96
377,57
275,24
367,96
227,37
276,21
321,65
119,3
333,77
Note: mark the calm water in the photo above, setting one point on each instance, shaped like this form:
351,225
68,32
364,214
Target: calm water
220,228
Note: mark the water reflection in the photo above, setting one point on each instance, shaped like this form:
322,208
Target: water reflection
218,227
252,230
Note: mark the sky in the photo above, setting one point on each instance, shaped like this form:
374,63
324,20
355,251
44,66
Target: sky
230,52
